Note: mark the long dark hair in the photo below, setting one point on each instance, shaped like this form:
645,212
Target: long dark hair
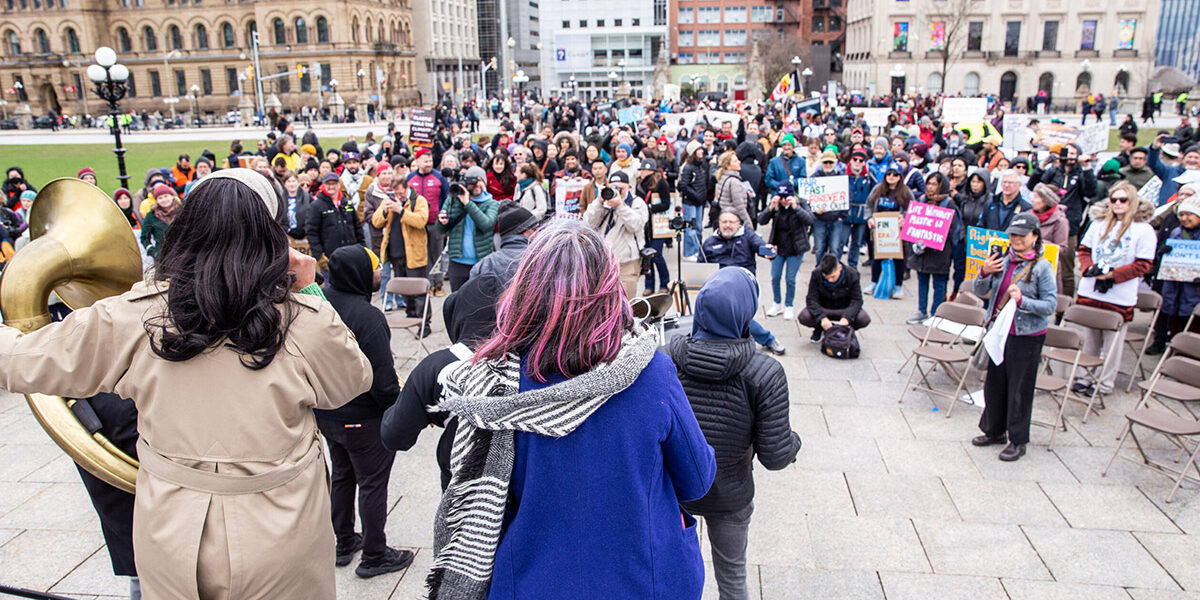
226,262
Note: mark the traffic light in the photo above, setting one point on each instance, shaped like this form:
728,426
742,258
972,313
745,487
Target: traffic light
300,71
251,70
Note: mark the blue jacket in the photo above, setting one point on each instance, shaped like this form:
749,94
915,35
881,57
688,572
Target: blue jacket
1167,173
860,190
777,173
738,251
1180,297
1039,296
595,514
997,216
878,167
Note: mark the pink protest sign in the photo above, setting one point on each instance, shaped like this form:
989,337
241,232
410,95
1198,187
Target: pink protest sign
927,224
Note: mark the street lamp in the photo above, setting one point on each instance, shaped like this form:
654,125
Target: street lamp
807,73
195,89
612,78
519,79
361,73
110,79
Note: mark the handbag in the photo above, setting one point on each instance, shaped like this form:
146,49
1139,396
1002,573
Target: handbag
839,341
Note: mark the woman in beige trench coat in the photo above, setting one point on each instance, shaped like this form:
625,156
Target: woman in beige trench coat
232,493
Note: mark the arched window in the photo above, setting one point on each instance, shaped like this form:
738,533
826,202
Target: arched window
202,37
175,37
150,39
301,31
227,38
971,84
1046,83
124,42
1083,83
251,28
381,37
72,41
1008,86
933,83
1121,81
322,30
279,32
14,43
43,41
354,30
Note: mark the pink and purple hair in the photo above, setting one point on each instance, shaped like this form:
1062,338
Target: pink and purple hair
565,311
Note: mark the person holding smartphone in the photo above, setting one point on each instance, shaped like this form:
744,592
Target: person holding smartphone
734,245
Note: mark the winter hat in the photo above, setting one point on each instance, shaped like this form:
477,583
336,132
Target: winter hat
859,154
880,141
1111,166
29,195
1190,204
692,147
900,155
162,188
204,160
1048,195
663,140
627,147
787,139
920,149
514,219
994,140
309,149
1192,148
85,171
422,152
381,167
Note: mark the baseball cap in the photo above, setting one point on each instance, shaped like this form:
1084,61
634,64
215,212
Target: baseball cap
326,178
785,189
619,177
349,156
648,164
1023,224
828,156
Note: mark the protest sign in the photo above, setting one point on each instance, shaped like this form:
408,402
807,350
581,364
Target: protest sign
1181,262
927,224
980,241
715,118
567,193
1090,138
1093,138
876,118
887,235
1016,132
632,114
824,193
660,223
964,110
421,128
812,105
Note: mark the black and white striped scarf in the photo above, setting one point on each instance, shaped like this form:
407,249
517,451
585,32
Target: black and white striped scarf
490,410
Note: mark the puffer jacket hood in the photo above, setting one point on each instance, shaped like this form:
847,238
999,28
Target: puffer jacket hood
747,151
726,305
1100,210
350,271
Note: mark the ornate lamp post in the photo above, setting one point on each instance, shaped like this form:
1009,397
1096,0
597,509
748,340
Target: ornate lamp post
110,79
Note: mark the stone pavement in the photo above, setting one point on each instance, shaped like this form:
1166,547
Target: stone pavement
886,500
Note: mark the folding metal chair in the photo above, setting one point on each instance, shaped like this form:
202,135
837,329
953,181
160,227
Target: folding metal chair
1064,346
1064,302
1177,379
1184,344
946,356
1138,341
1090,317
938,336
411,286
1181,431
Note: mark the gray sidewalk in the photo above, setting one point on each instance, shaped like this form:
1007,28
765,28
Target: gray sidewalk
886,500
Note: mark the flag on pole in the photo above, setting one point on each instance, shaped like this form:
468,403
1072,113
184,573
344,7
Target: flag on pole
784,89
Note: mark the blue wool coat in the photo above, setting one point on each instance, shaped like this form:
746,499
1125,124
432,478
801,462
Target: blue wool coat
595,514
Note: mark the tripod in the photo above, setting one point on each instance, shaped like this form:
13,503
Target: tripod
678,288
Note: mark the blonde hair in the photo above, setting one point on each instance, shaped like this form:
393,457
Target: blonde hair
1135,202
723,163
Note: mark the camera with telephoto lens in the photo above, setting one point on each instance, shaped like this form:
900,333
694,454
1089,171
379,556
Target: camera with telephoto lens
1097,269
457,189
607,193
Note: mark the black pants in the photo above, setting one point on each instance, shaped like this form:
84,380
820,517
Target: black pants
1008,389
861,320
118,418
359,462
1166,326
458,274
413,305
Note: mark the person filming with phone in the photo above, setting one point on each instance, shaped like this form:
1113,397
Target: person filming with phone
733,245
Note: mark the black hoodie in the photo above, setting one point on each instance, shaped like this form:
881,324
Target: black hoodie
349,290
470,316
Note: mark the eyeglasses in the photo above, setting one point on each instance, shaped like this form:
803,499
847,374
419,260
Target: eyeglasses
856,160
1120,199
892,174
827,162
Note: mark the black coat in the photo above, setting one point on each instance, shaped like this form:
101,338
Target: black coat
693,183
1078,187
330,227
844,296
118,423
790,232
663,205
303,201
740,397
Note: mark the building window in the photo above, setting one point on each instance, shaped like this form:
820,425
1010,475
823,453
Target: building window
735,37
306,81
155,84
301,31
14,43
818,24
708,37
180,82
202,37
326,74
1050,35
735,14
1088,39
43,41
175,37
900,36
231,79
227,39
566,25
735,58
687,38
635,22
284,83
206,82
583,23
617,22
686,58
687,16
835,23
599,22
975,36
971,84
78,86
130,87
761,14
72,41
660,12
279,32
322,30
1126,33
710,14
1012,38
124,43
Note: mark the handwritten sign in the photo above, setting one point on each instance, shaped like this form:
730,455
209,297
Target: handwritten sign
1016,133
887,235
1090,138
660,223
1182,262
927,224
980,242
633,114
825,193
964,110
876,118
1151,189
567,194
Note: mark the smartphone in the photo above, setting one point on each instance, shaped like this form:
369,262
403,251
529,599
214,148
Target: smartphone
996,251
1170,139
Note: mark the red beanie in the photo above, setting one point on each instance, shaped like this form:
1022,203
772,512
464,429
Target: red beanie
421,152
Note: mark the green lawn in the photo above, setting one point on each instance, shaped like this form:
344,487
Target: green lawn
1145,135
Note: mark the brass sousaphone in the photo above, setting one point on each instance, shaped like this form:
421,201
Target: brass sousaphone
82,249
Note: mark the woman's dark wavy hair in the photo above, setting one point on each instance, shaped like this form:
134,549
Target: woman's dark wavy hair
226,263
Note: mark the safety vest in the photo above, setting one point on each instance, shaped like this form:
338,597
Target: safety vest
1181,98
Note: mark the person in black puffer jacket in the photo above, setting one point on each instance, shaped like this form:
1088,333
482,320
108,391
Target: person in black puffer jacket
789,235
752,174
740,397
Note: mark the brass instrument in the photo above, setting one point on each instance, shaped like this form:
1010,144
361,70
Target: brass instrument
82,249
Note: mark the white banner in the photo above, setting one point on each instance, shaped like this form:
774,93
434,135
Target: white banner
1016,133
964,110
1093,138
876,118
825,193
567,194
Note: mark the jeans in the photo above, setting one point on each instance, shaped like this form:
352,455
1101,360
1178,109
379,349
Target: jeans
857,233
359,462
692,235
1112,116
414,306
728,534
777,268
877,268
658,264
939,291
385,270
760,334
828,238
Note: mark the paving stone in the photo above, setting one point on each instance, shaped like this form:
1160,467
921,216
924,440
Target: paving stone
710,582
1139,594
38,559
1107,507
14,493
8,534
1013,502
1097,557
922,457
840,454
867,422
1024,589
1087,463
781,583
94,576
1178,554
412,580
1183,510
983,549
815,391
410,523
800,491
59,470
934,426
917,586
808,419
870,543
19,460
903,496
1038,464
779,538
63,506
824,367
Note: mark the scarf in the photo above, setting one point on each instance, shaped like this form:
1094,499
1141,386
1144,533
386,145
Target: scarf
167,215
625,163
490,408
524,183
1045,216
1019,266
352,181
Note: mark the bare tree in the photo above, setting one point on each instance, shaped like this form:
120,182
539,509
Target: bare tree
775,58
954,17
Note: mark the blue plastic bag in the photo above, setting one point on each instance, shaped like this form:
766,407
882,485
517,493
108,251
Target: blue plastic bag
887,279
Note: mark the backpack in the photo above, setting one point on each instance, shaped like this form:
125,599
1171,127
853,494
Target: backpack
839,341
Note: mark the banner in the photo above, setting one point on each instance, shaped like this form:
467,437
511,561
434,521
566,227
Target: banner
887,235
824,193
927,224
1125,34
1181,262
980,241
876,118
937,31
572,51
421,128
784,89
567,193
812,105
1151,189
714,117
1015,130
964,110
900,36
1091,138
633,114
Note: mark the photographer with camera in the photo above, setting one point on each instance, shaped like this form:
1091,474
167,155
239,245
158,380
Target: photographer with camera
468,218
1076,183
1117,250
1169,173
652,187
789,233
621,218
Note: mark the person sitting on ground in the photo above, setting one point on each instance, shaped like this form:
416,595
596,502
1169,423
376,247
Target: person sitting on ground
733,245
834,298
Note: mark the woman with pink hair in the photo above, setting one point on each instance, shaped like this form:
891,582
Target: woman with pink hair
576,444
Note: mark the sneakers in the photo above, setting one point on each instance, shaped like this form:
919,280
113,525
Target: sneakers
816,336
345,553
388,306
776,348
898,293
693,258
393,560
1083,389
788,314
775,310
870,289
917,317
